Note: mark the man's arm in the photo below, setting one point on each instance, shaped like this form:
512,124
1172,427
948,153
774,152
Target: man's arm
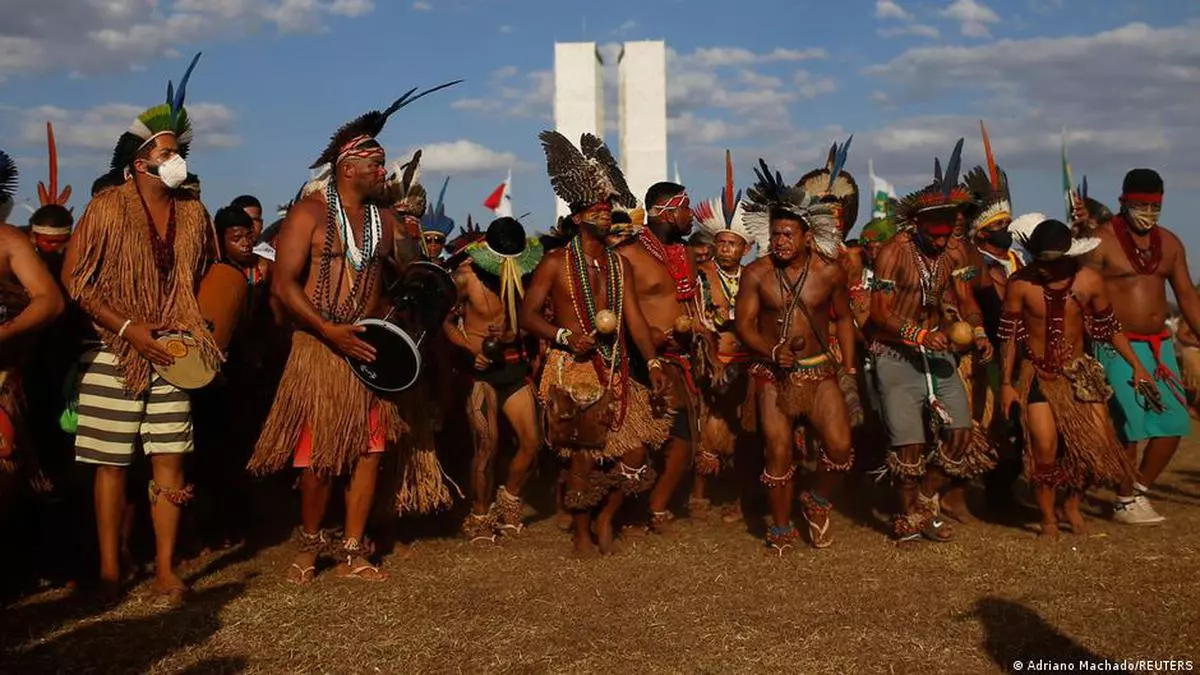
1009,321
292,251
95,308
450,325
45,300
531,318
1106,328
883,292
847,332
1185,292
746,309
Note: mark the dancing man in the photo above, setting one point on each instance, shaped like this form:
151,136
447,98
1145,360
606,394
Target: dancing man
1138,258
490,289
915,370
133,265
667,294
784,309
596,414
331,252
1069,439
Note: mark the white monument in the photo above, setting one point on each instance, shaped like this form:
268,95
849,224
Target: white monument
642,93
578,93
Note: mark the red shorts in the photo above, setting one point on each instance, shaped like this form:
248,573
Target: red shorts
303,455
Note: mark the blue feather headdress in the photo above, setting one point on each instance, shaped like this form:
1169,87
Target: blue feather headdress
165,118
435,219
944,193
833,183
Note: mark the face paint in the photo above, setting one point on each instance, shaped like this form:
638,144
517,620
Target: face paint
1001,239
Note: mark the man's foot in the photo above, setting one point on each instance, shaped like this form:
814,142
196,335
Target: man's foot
816,514
699,509
584,548
1073,517
303,569
356,564
1049,531
958,511
1135,511
564,521
602,528
510,512
480,528
662,522
780,540
169,590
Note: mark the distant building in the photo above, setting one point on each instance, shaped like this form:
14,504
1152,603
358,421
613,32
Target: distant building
578,93
642,92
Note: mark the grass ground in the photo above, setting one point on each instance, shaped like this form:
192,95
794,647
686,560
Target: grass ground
706,601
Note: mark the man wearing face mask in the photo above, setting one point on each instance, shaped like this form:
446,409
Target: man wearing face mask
917,272
667,291
132,265
1137,259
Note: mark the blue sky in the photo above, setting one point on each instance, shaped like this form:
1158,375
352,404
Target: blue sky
776,78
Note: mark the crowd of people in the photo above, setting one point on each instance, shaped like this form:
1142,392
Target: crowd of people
950,342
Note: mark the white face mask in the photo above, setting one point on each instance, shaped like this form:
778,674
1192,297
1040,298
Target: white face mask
1143,220
173,171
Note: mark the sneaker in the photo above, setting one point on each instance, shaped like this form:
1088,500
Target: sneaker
1136,511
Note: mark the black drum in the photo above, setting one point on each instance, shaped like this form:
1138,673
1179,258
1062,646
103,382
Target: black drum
421,300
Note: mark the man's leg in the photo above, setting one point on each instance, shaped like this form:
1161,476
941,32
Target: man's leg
315,490
480,524
1044,437
109,496
831,420
521,411
1156,457
678,455
360,493
779,470
165,507
577,500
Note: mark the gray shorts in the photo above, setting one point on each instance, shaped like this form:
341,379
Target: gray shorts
900,381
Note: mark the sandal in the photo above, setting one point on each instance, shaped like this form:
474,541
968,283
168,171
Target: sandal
781,539
813,511
361,570
302,576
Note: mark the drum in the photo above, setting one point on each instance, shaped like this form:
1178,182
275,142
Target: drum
222,297
189,371
421,300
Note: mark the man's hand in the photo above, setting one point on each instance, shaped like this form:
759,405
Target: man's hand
482,362
1140,374
581,344
784,357
935,341
141,337
344,338
1008,398
984,346
660,384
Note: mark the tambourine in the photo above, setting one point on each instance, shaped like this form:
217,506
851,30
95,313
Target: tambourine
189,370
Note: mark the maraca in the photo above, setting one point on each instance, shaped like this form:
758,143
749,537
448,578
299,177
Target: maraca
606,322
683,324
961,334
493,349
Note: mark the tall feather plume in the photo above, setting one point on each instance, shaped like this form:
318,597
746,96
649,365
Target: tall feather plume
8,177
937,171
839,161
440,209
371,123
950,180
728,200
993,170
50,194
567,167
175,99
595,150
411,171
1083,191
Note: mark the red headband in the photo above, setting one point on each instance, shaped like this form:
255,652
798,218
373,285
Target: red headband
939,229
1148,197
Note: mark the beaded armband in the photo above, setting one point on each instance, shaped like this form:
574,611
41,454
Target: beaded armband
912,334
884,285
965,273
1104,325
1009,324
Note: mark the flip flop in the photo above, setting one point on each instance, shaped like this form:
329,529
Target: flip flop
303,576
357,571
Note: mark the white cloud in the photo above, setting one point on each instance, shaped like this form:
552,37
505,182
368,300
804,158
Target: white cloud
917,29
973,17
97,36
759,80
462,157
420,6
889,9
506,29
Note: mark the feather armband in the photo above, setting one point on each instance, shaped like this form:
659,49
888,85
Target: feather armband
965,273
884,285
1104,325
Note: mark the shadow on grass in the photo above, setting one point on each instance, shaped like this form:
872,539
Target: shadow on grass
1013,632
134,645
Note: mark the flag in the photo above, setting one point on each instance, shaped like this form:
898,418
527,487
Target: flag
1066,178
881,193
500,201
678,181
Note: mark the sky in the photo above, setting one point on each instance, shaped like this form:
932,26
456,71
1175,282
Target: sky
777,79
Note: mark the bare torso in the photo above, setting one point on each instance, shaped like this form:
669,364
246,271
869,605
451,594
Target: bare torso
1034,311
899,265
775,286
482,312
1139,300
563,307
341,276
727,342
654,289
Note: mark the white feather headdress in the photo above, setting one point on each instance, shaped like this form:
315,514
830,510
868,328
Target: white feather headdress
772,193
1023,226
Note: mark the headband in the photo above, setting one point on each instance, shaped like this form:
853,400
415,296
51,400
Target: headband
672,203
1148,197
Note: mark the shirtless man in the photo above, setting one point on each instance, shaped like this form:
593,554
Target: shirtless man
1138,259
1070,440
596,414
327,276
917,272
29,300
783,314
486,329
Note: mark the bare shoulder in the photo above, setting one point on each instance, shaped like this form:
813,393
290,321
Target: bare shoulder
756,269
1170,240
1088,279
960,252
831,271
10,234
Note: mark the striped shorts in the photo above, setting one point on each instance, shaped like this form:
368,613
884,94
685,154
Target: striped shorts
111,421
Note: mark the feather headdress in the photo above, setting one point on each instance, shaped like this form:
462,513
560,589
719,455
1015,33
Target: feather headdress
833,181
48,195
8,184
367,126
989,190
505,252
723,214
166,118
1023,228
943,194
435,219
636,221
467,235
405,192
771,194
585,175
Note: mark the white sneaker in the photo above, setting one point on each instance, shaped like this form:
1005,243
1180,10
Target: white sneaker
1136,511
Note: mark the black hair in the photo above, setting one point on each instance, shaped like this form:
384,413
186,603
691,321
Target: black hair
1145,181
1049,236
660,191
780,213
246,202
108,180
232,216
52,215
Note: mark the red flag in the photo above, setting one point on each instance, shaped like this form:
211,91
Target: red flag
494,199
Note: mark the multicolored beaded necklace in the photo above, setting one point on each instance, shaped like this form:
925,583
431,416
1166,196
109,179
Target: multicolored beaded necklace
929,274
352,306
583,298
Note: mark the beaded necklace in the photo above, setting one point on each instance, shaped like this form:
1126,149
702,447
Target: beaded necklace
1056,326
929,274
1144,260
674,258
350,308
729,286
583,299
163,249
